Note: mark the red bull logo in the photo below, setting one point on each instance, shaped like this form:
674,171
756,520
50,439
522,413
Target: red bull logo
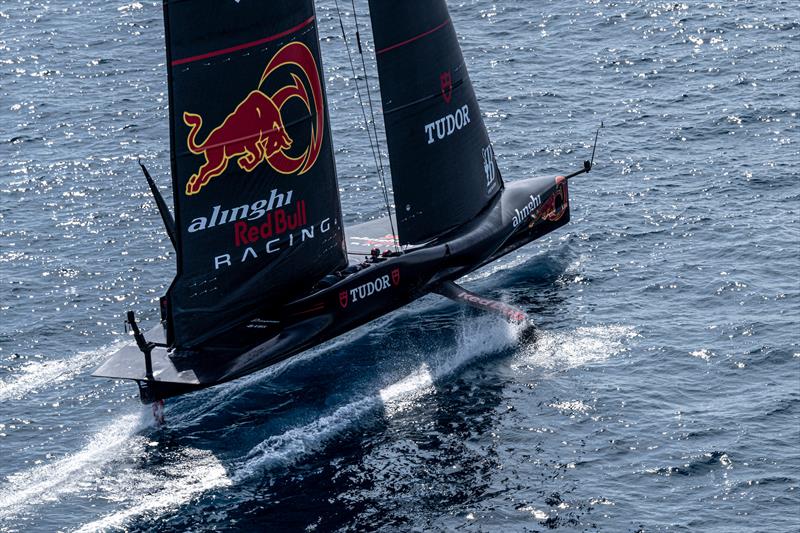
555,206
254,132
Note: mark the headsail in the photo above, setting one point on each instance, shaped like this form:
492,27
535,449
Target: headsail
256,200
443,166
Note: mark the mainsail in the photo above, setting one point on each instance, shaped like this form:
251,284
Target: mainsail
254,180
443,166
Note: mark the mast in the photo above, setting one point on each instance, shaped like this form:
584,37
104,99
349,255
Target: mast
443,167
257,208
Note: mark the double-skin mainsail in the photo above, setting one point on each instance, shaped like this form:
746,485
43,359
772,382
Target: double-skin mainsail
254,180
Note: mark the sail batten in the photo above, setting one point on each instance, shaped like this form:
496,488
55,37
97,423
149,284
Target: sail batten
256,197
443,167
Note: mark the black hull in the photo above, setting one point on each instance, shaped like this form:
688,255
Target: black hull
523,212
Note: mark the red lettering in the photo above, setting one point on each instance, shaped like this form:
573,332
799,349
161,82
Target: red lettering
275,223
252,233
280,221
239,230
266,227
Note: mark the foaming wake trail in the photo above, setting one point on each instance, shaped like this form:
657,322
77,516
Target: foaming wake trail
51,482
184,474
287,448
117,465
152,488
494,268
35,376
576,348
477,337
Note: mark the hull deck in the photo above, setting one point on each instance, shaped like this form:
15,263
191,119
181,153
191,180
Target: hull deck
523,212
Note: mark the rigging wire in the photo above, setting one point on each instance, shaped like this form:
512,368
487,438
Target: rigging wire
369,92
376,154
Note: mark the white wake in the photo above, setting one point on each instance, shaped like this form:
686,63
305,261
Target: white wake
35,376
477,337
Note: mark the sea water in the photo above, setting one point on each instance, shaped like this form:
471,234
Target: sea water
660,393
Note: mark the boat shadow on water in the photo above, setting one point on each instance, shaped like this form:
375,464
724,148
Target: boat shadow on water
396,403
434,332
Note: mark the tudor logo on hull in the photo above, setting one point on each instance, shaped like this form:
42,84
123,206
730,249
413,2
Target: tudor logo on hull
254,131
371,288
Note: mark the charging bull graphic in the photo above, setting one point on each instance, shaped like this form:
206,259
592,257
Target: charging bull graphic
254,132
555,206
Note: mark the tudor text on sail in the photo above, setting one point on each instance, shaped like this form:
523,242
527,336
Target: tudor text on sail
446,126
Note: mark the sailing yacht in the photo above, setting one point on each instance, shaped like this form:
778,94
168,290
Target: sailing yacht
265,266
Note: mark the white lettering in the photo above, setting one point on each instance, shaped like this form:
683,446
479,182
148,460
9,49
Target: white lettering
214,215
272,198
197,224
239,212
257,210
440,124
429,131
275,246
370,288
254,211
448,125
224,259
527,210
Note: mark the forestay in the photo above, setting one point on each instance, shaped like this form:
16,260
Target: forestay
254,182
443,166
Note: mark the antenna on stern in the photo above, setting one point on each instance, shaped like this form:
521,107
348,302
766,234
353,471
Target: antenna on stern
587,165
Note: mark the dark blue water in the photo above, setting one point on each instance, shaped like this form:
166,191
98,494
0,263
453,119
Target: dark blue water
662,392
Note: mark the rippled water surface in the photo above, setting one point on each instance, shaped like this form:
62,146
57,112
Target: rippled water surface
662,392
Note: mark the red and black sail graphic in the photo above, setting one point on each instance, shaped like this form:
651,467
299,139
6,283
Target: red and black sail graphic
443,166
254,181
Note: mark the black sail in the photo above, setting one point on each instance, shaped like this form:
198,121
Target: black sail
256,200
443,167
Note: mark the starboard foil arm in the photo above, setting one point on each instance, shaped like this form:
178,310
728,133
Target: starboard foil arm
461,295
